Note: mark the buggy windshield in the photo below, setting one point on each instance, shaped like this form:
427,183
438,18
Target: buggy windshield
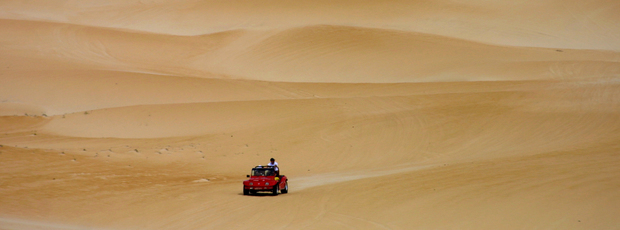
263,172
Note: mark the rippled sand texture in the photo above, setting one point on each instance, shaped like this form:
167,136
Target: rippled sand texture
383,114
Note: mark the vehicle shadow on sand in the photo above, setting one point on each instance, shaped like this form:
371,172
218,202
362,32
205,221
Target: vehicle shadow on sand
261,194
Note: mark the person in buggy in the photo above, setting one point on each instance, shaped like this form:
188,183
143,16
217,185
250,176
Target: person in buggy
274,164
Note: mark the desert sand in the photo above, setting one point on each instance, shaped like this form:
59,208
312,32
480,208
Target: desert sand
383,114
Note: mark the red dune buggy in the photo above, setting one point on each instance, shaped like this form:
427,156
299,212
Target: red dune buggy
265,179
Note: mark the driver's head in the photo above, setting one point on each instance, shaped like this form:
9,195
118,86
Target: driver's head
272,160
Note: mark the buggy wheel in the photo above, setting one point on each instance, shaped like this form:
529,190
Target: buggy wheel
285,190
275,190
246,191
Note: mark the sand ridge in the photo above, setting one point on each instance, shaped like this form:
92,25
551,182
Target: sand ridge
321,53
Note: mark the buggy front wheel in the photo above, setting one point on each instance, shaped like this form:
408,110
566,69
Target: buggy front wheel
285,190
275,189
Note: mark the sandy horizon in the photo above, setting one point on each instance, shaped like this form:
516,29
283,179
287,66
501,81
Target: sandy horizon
384,115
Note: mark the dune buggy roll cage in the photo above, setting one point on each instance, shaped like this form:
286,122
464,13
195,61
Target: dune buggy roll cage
264,171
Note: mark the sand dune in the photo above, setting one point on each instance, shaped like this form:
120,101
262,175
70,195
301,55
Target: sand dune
352,54
306,54
556,24
384,115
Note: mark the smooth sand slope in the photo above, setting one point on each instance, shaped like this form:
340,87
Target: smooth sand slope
384,115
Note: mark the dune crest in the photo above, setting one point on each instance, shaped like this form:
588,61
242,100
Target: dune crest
338,54
551,24
357,55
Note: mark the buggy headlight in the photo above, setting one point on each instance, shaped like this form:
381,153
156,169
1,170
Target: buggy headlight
267,183
251,183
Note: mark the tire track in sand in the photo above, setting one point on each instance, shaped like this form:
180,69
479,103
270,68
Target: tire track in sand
334,178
